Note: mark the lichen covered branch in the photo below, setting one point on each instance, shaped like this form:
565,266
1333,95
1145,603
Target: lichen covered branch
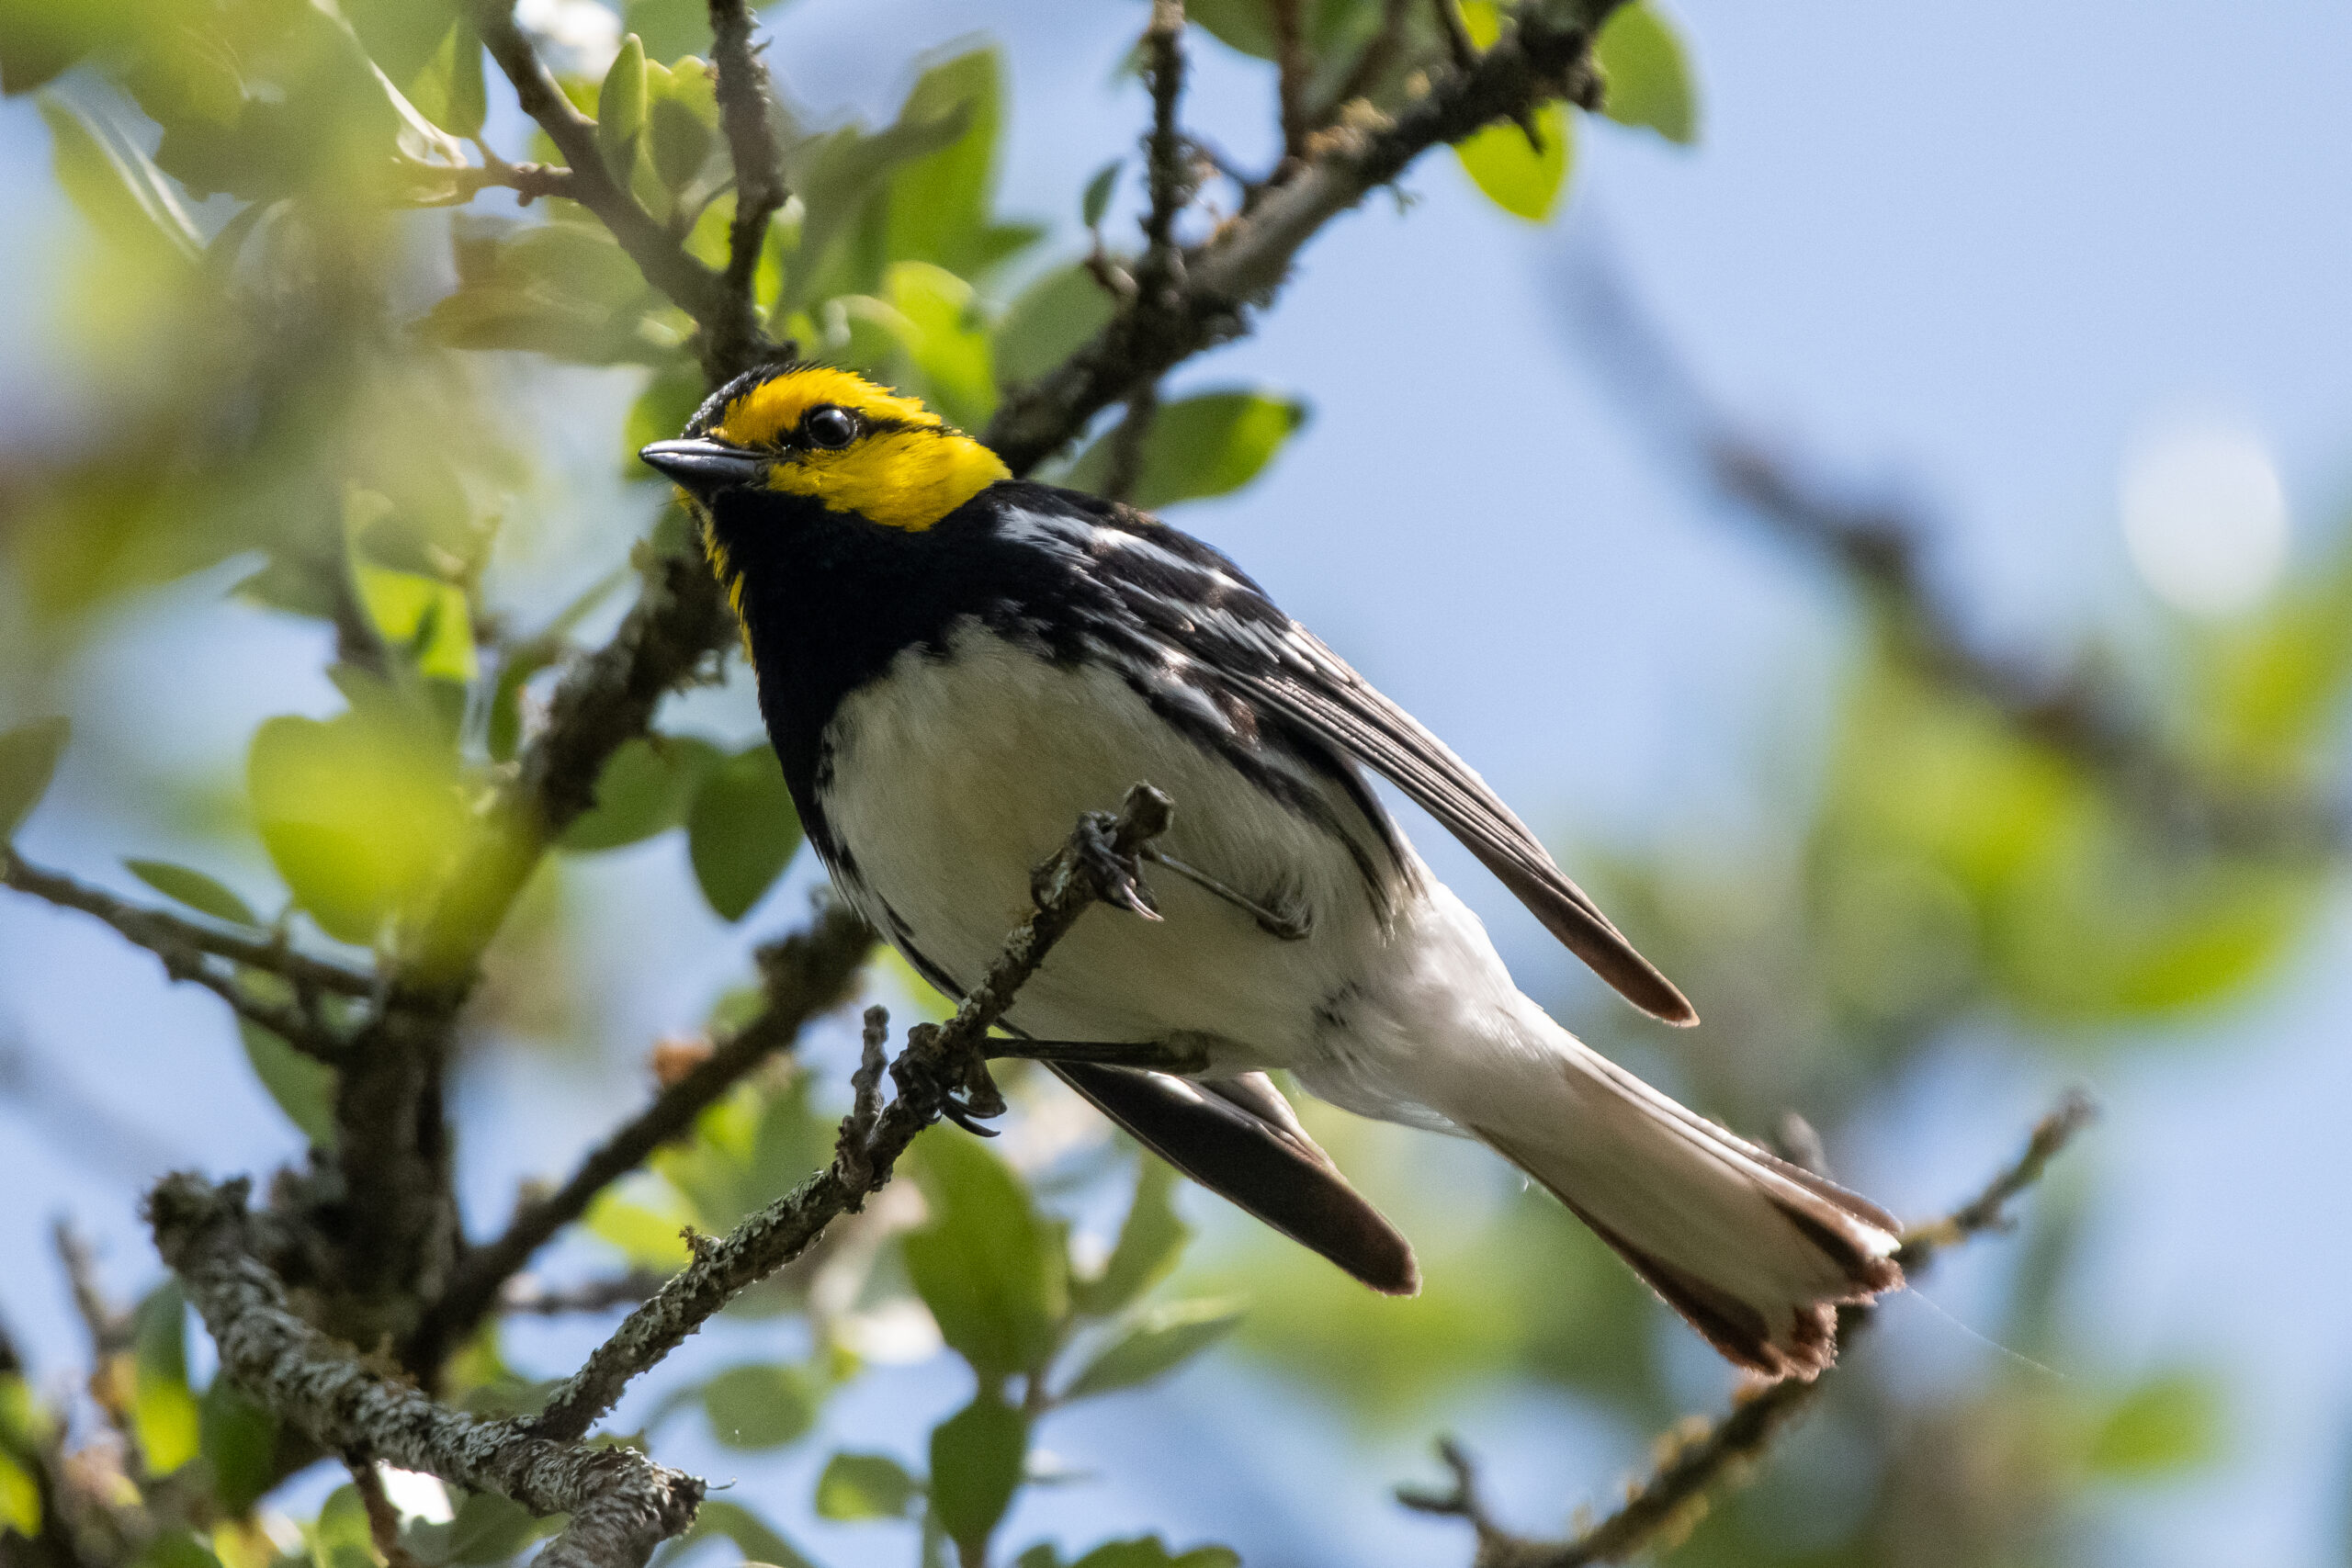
622,1504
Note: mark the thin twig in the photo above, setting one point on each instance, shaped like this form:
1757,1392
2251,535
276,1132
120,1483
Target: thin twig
622,1504
108,1327
1098,865
383,1519
1244,263
731,329
751,141
524,1295
805,974
1164,161
161,932
1459,45
1698,1455
2075,708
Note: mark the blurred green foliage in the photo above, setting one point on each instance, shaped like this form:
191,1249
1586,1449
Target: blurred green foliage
325,376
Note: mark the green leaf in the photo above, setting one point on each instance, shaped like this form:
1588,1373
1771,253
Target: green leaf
752,1536
1150,1551
164,1415
302,1086
936,320
836,177
683,121
742,831
20,1499
449,91
646,788
183,1548
238,1439
112,183
1159,1341
184,884
939,202
1244,25
1522,180
762,1404
1149,1242
2171,1423
340,1536
644,1236
976,1460
987,1265
1052,317
670,28
1097,199
620,110
422,616
1647,74
1199,446
28,755
486,1529
864,1486
360,813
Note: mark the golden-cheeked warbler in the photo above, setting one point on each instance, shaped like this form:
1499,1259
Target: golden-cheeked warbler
955,664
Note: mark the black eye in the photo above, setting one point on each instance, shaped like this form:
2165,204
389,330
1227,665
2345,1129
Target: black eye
829,427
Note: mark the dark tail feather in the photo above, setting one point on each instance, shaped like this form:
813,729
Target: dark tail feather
1238,1138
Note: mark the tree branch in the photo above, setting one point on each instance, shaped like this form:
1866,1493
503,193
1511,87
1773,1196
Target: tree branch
751,141
730,326
1292,67
622,1504
805,974
2076,710
1672,1497
1245,263
1097,865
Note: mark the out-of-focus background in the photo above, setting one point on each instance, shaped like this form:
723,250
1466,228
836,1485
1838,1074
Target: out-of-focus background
2058,293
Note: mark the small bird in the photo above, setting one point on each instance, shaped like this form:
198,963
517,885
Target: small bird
955,664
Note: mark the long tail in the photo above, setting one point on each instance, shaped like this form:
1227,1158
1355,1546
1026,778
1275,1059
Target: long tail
1754,1252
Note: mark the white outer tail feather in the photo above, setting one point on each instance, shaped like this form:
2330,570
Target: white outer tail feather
1756,1252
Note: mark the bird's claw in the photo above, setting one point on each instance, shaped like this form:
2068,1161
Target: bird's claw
1117,878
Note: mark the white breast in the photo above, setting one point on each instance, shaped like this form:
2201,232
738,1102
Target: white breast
953,776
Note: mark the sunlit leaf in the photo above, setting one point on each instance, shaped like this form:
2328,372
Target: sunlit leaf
742,831
1646,73
1204,446
20,1499
28,755
620,109
987,1264
360,813
114,186
671,27
647,787
864,1486
643,1237
341,1537
2171,1423
939,202
1157,1342
1053,316
1523,180
422,616
836,176
976,1460
1150,1240
449,90
683,121
762,1405
659,413
164,1415
937,319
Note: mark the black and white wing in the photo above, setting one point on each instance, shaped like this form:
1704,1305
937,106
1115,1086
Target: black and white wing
1200,601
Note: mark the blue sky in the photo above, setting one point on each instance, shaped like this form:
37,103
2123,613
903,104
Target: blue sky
1970,253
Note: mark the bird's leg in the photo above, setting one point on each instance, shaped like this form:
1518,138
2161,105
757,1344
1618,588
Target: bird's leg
1118,877
1289,928
922,1065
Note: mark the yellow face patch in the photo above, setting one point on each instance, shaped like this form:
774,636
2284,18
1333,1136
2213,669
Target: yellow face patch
904,468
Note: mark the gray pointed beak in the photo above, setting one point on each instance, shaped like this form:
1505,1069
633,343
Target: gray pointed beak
703,467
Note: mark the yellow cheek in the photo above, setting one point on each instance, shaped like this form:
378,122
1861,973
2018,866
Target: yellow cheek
907,479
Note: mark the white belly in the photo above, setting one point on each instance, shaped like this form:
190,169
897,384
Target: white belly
952,777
